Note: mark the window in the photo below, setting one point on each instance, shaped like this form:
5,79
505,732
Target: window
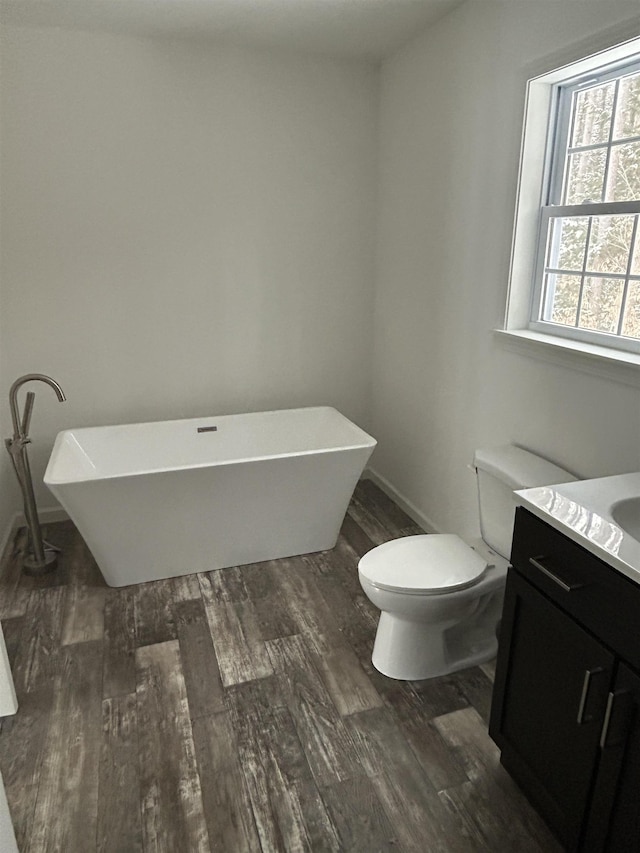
587,276
575,265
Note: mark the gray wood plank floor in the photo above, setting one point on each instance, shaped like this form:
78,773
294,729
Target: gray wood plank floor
239,711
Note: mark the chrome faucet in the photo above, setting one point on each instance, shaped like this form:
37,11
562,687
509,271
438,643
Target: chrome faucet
41,556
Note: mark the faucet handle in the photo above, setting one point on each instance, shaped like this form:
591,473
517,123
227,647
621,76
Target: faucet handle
28,409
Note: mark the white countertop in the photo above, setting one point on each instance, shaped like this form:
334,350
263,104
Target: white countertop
582,511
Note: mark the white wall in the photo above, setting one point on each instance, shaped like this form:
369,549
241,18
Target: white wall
187,229
8,487
451,116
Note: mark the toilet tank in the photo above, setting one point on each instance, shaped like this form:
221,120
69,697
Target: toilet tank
501,471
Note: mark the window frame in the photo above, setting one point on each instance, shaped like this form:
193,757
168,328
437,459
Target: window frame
559,128
513,332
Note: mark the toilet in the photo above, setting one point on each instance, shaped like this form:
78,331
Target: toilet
440,597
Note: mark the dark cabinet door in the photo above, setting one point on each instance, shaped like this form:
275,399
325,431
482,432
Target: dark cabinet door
614,819
550,695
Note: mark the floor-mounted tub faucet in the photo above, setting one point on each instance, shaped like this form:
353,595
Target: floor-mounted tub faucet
41,556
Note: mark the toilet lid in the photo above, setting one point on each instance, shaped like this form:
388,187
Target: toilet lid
428,564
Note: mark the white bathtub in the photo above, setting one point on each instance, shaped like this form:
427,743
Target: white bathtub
158,500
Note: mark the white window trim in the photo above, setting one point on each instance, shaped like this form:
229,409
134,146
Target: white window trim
613,363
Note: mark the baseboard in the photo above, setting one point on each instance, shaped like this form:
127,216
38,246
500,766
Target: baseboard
48,515
404,503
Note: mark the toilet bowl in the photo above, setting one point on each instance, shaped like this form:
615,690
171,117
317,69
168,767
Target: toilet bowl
420,610
440,598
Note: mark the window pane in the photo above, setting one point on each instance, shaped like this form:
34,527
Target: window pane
623,182
586,176
631,322
627,121
592,116
635,264
562,295
610,243
601,302
568,242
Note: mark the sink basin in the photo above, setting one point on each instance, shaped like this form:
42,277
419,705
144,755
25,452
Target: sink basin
626,514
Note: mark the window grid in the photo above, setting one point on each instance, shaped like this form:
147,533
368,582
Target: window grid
595,146
603,308
584,272
565,156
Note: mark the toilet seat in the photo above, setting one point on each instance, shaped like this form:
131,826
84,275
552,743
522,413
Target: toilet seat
431,564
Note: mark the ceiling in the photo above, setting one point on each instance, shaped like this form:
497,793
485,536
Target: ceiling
359,29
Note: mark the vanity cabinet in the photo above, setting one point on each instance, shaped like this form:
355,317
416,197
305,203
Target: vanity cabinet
567,693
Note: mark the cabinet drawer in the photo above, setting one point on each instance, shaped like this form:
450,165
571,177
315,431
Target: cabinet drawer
599,598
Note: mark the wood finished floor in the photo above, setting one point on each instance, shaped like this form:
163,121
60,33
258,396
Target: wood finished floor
238,711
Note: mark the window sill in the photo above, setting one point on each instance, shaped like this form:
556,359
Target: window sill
600,361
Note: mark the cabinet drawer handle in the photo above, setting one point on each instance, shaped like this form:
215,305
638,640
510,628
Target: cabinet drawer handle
584,696
622,713
567,587
607,720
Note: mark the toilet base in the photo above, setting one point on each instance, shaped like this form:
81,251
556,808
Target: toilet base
412,651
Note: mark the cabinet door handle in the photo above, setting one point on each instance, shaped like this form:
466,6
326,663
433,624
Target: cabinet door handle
620,708
584,696
536,562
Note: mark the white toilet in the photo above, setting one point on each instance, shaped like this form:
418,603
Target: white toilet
441,598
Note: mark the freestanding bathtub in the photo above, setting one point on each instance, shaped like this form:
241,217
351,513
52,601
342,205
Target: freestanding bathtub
157,500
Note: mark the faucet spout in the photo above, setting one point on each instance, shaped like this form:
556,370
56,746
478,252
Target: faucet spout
20,429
